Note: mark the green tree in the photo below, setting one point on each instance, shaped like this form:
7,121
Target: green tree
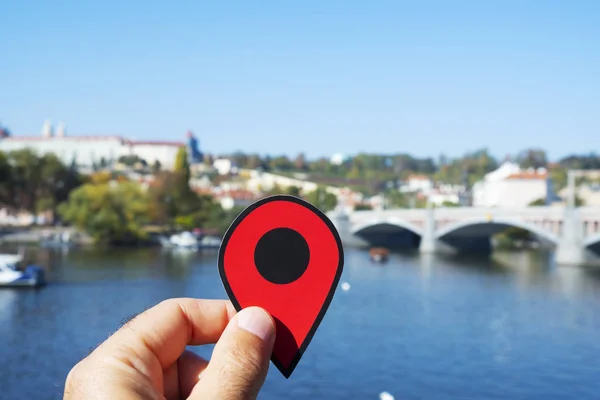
6,181
293,191
322,199
533,158
281,163
56,181
26,172
131,160
254,161
585,161
156,167
447,203
300,162
182,165
108,212
396,199
538,202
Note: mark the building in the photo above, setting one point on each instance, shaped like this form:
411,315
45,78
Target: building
417,183
338,159
195,156
235,199
510,186
225,166
589,194
89,151
152,151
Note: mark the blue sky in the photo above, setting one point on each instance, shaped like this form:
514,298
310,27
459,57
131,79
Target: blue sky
320,77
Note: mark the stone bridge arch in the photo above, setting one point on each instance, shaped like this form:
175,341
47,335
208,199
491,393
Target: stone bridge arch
475,234
392,232
593,243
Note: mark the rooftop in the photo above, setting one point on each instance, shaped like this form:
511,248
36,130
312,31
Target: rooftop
528,175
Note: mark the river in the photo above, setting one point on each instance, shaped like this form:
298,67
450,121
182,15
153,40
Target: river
510,327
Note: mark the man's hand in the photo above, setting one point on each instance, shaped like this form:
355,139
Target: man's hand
146,358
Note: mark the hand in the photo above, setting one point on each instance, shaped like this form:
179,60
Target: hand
146,358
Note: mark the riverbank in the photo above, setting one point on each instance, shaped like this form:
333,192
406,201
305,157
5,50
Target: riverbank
42,234
52,236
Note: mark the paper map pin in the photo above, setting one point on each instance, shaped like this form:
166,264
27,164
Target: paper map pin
284,255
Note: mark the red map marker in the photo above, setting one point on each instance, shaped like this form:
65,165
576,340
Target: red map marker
284,255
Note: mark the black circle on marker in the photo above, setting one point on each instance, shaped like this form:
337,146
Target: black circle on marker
281,256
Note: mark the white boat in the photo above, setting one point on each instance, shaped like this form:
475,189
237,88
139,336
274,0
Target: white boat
210,242
184,240
63,239
165,242
11,276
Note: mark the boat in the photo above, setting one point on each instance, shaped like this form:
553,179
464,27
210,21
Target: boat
165,241
210,242
379,254
63,239
186,240
11,276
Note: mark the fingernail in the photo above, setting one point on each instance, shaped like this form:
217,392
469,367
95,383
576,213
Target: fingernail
255,320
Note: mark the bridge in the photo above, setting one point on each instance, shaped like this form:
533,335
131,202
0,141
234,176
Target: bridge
574,232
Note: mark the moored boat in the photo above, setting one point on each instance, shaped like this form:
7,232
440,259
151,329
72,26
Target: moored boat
12,276
379,254
210,242
185,240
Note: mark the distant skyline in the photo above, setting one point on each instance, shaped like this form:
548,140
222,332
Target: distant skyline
318,77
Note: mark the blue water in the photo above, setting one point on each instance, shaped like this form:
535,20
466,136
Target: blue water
513,327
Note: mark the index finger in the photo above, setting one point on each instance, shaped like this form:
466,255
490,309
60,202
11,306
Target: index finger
163,331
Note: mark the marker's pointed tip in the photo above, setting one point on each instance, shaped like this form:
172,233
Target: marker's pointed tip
286,372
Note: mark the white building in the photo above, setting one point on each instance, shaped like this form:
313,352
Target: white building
337,159
152,151
417,183
259,181
90,150
588,193
225,166
439,198
510,186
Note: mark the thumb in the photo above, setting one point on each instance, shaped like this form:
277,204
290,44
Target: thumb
240,359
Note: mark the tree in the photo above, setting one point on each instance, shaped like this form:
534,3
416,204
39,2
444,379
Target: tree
131,160
447,203
293,191
533,158
182,165
322,199
281,163
537,203
254,162
26,177
396,199
156,167
586,161
103,163
109,213
6,181
300,162
56,181
208,160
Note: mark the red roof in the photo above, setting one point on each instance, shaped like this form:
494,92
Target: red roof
527,175
418,177
238,194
